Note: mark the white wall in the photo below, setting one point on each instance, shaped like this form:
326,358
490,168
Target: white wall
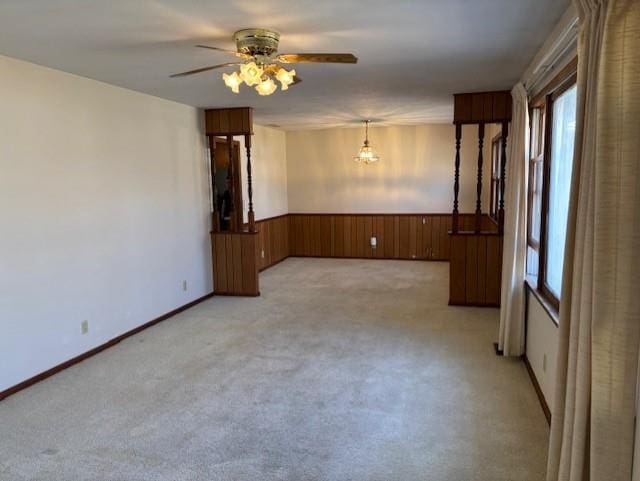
415,172
542,347
268,171
103,214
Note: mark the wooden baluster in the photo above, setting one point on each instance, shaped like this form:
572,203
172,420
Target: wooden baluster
503,176
215,215
479,186
233,224
251,215
456,181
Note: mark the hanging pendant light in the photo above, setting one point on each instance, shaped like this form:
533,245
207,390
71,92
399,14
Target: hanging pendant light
366,155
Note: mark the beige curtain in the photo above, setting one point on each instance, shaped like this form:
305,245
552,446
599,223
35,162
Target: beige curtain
511,334
592,430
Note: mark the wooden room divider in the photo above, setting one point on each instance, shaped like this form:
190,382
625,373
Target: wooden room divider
476,255
234,251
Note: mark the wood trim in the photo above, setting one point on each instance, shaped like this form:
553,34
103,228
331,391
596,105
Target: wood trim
536,386
570,69
549,308
267,219
366,258
235,294
92,352
405,214
273,264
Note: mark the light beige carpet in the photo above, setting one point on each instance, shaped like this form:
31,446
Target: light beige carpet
342,370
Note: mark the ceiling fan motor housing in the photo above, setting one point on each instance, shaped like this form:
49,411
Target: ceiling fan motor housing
257,41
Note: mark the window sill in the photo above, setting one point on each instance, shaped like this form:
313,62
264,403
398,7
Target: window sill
531,284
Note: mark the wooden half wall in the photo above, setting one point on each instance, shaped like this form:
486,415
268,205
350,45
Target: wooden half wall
272,241
475,269
399,236
475,259
235,265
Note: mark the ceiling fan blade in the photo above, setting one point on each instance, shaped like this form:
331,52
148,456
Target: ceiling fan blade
231,52
203,69
317,58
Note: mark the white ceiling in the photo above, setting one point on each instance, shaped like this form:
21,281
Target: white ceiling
412,54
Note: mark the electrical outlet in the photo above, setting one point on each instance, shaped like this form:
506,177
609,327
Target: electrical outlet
184,285
374,242
263,253
544,362
424,221
84,327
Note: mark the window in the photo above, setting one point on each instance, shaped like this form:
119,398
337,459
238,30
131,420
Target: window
535,190
553,125
563,134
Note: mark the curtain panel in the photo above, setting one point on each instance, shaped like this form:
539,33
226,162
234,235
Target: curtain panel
592,429
512,304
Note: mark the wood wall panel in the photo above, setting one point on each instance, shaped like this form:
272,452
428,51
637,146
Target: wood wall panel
457,263
475,269
475,259
235,263
482,107
398,236
231,121
273,242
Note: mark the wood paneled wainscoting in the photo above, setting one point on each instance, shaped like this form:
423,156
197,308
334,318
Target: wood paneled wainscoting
398,236
475,258
272,241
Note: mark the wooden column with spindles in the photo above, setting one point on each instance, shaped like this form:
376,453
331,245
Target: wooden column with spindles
215,215
233,224
479,185
234,251
456,182
503,176
475,259
251,214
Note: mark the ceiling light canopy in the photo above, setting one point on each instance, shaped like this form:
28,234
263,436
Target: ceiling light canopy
366,155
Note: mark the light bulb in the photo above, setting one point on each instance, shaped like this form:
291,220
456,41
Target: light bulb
232,81
266,87
251,73
285,77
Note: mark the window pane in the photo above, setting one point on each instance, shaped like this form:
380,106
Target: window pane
536,200
532,262
562,139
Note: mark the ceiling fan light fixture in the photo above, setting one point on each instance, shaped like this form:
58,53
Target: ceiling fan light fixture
233,81
266,87
260,63
366,155
251,73
285,77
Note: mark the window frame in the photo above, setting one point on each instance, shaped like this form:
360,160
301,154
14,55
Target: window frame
566,79
496,176
536,156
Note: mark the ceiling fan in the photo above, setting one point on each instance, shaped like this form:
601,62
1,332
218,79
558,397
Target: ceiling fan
260,62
